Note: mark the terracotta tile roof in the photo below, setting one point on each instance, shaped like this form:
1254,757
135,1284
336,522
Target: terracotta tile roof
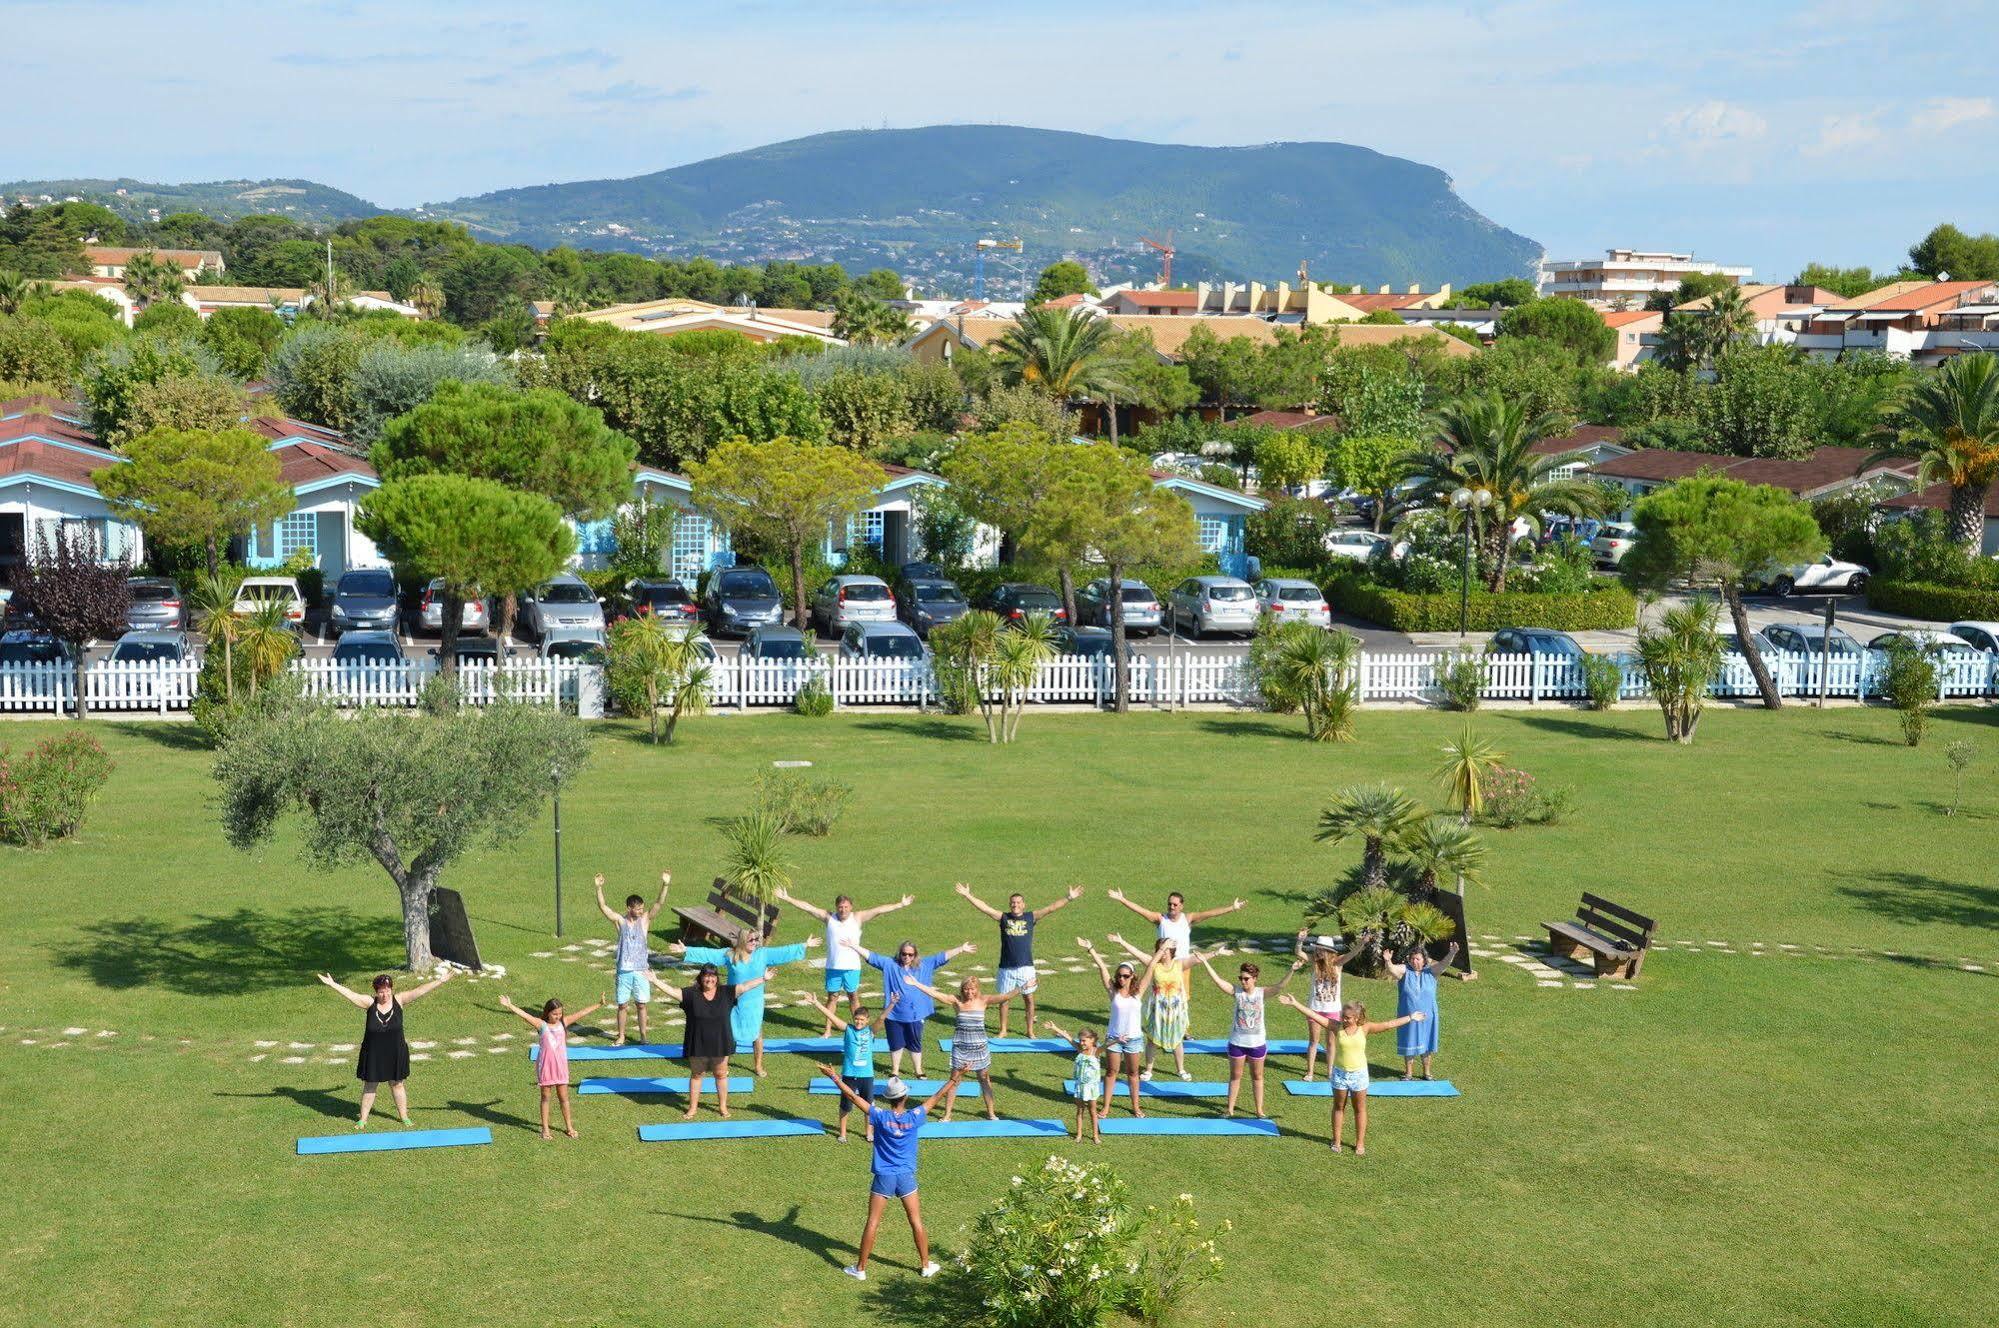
1578,438
112,255
1825,468
1928,296
33,456
819,318
1627,317
1938,496
1368,304
1291,419
31,424
1160,299
1065,301
280,427
1387,334
1868,299
1661,463
303,462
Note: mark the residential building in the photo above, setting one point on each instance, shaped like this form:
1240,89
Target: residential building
1582,447
1637,335
1412,297
678,314
46,464
1924,321
328,480
1630,275
1826,472
285,301
1169,333
108,260
1936,497
1221,517
1481,323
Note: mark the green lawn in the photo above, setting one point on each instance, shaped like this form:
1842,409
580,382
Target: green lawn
1798,1136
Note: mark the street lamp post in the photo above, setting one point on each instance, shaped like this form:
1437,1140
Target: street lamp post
555,779
1470,502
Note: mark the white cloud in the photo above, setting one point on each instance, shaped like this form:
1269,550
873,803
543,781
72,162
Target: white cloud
1842,133
1713,122
1941,113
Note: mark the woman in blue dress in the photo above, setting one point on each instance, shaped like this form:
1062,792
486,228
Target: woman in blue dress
1416,993
749,960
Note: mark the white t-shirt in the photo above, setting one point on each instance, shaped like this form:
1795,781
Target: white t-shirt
1176,930
843,942
1325,998
1247,1028
1124,1018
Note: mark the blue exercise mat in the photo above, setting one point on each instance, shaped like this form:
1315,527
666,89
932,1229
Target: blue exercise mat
989,1129
727,1129
1381,1088
1220,1046
670,1051
360,1142
1021,1044
634,1086
1160,1088
1187,1125
918,1088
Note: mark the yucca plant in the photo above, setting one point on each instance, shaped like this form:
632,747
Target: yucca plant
1314,667
266,642
1378,815
212,597
755,865
1379,919
1017,661
960,651
1467,759
1680,661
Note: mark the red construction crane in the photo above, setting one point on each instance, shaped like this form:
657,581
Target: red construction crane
1166,264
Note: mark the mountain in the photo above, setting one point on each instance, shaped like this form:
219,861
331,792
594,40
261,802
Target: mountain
918,199
300,200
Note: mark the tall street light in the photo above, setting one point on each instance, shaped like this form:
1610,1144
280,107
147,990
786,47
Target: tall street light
555,784
1470,502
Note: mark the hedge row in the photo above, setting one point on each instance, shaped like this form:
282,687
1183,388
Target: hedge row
1915,599
1597,610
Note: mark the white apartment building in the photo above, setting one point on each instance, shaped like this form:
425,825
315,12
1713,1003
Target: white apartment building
1626,274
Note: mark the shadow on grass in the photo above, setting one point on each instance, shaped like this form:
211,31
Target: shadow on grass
1861,739
965,728
183,737
944,1301
1582,728
1272,726
1958,813
828,1249
490,1113
322,1100
1911,897
230,954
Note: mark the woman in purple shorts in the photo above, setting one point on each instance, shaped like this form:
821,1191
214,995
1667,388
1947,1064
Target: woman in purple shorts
1247,1038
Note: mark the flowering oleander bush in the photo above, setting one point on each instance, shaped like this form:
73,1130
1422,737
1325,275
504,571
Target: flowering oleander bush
1173,1254
1053,1252
1511,798
43,793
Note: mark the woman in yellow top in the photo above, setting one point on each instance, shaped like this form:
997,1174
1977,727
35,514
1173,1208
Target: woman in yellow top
1166,1008
1349,1068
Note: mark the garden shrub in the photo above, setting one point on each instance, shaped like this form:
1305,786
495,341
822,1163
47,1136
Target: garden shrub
1053,1252
1511,798
1173,1256
814,700
1606,608
1603,680
1909,682
1919,548
45,792
1936,603
802,806
1461,679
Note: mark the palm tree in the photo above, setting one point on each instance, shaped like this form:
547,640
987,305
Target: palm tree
755,866
16,290
266,641
427,298
1017,661
1314,666
1064,352
1487,442
150,278
1467,759
860,319
213,599
1948,424
654,667
1729,319
1379,815
1680,660
1440,848
565,297
1682,343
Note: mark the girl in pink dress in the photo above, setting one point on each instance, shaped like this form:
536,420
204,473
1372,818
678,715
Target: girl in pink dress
552,1064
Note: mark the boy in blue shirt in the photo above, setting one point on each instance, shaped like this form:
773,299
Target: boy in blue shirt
857,1057
894,1164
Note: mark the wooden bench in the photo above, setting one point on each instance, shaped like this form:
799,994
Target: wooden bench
1614,937
724,918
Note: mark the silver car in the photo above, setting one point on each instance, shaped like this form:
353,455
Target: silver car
1142,615
430,611
1288,601
880,640
562,606
145,647
852,599
154,604
1203,604
363,600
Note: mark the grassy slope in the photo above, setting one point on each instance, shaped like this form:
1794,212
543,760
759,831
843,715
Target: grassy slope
1774,1139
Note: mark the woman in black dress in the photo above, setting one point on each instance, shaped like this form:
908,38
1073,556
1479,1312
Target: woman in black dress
385,1054
709,1039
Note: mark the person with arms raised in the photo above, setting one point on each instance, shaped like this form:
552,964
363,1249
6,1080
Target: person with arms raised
893,1169
844,955
903,976
634,962
385,1052
1016,948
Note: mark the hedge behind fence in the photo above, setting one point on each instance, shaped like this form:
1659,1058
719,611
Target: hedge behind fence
1598,610
1914,599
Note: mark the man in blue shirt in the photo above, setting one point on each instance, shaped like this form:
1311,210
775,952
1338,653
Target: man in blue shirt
900,974
894,1166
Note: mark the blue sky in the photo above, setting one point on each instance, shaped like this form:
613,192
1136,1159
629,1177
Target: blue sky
1751,132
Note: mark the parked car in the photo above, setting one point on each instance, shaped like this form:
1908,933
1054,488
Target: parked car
1583,530
154,605
1288,601
145,647
364,598
659,597
1828,573
1808,639
776,643
1356,545
1943,646
589,648
257,591
27,645
1088,642
928,603
472,650
1203,604
1978,635
880,640
1014,600
921,572
1141,607
562,604
1612,542
372,645
740,598
1534,641
429,617
851,599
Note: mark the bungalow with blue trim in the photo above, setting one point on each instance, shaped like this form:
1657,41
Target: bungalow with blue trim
46,463
1221,517
697,543
329,480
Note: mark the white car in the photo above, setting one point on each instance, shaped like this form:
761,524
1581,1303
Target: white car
257,591
1286,601
1978,635
1612,542
1358,545
1828,573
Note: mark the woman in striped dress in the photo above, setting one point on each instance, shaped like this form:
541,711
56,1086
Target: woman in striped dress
970,1053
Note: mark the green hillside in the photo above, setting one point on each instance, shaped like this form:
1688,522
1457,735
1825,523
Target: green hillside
300,200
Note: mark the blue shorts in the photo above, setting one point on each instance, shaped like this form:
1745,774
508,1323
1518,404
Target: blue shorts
904,1035
1130,1046
862,1084
843,979
893,1184
1017,979
632,986
1351,1081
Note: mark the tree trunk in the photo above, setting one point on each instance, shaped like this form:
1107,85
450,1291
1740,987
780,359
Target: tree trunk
214,562
672,719
416,892
1110,416
1068,583
509,606
449,616
1732,592
1967,517
1120,667
1496,548
82,670
1380,510
798,585
228,665
1373,864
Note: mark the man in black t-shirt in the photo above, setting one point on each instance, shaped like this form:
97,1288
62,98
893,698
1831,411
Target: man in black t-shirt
1016,952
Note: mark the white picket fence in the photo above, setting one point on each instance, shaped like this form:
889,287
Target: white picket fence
1190,678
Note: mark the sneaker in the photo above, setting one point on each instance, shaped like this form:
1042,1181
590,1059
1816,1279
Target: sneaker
1145,1077
1186,1078
858,1274
931,1269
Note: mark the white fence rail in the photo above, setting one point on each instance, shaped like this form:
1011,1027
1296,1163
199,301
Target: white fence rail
1191,678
